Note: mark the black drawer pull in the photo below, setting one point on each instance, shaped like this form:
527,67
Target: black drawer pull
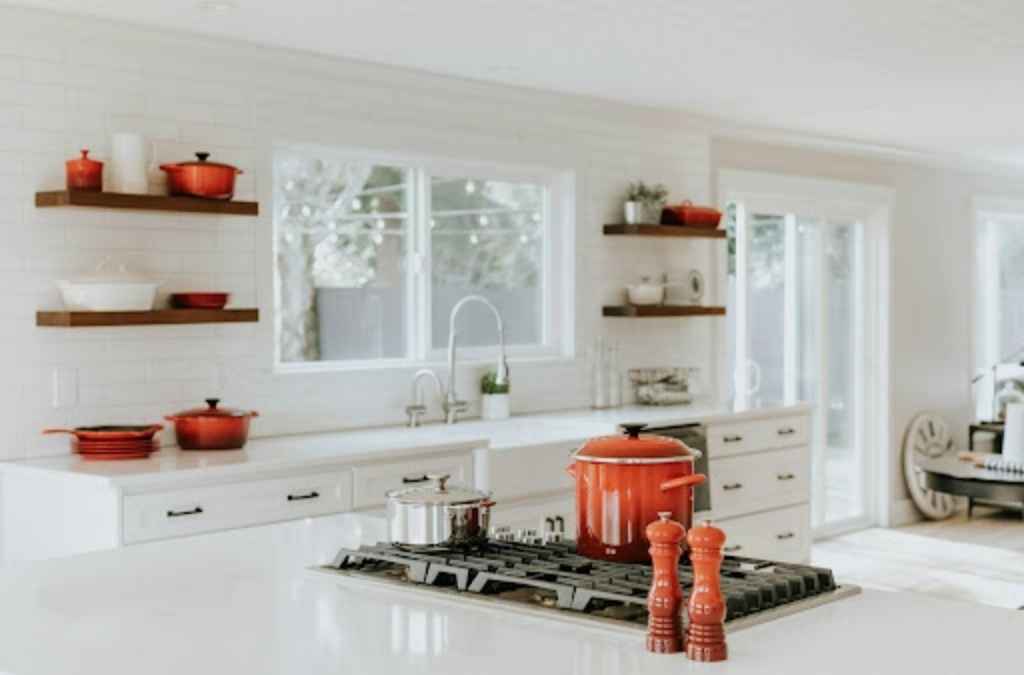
786,476
309,495
415,478
191,512
787,431
732,439
733,549
560,524
785,535
732,486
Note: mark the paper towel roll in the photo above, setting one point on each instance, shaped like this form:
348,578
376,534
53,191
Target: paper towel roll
1013,433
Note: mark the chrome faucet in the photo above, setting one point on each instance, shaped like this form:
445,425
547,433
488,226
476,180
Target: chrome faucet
417,409
451,406
454,406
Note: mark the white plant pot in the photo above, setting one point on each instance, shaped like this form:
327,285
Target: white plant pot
495,406
633,212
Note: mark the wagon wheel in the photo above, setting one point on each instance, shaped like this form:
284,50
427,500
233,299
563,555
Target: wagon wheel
927,437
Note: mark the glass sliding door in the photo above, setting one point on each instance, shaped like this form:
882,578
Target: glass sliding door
799,336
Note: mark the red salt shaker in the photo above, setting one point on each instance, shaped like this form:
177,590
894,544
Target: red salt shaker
705,634
84,173
665,600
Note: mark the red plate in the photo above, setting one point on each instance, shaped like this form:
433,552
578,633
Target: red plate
111,433
204,300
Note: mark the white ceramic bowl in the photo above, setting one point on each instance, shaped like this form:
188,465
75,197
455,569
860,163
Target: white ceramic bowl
108,296
645,294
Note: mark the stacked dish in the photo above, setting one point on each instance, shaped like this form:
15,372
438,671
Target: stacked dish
113,442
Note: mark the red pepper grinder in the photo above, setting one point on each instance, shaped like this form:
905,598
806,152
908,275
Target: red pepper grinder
665,600
705,634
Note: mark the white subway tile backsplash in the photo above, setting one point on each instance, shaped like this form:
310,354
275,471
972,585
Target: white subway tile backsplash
69,84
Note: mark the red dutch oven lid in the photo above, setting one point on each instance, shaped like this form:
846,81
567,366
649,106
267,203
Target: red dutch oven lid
211,410
632,448
202,161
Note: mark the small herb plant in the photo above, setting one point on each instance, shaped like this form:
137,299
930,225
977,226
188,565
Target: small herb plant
649,195
489,384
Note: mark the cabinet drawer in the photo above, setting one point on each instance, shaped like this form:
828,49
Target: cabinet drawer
538,469
783,535
371,482
221,507
747,483
743,437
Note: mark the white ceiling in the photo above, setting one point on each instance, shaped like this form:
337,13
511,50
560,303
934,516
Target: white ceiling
941,76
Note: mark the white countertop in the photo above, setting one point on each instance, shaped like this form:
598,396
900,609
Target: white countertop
274,454
245,602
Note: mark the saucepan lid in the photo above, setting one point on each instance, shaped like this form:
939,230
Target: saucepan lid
438,492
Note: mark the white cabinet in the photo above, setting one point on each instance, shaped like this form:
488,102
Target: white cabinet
736,438
552,514
759,481
222,507
54,513
781,534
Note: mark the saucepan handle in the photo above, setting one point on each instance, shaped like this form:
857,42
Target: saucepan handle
59,431
691,480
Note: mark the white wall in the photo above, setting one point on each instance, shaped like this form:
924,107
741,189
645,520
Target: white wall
931,241
67,83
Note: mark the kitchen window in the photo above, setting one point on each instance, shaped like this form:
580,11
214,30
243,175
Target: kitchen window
373,251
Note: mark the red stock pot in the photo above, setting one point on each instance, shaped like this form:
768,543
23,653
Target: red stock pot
622,484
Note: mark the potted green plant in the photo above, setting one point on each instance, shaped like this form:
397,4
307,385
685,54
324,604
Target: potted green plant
644,202
495,400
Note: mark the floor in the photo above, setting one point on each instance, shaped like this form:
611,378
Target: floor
981,560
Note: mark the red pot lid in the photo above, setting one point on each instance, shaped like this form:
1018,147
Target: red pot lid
202,160
633,448
211,410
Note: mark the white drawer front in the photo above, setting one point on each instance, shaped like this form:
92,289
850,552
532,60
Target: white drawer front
783,535
222,507
532,470
743,437
371,482
747,483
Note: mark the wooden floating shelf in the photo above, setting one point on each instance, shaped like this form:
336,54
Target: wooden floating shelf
640,311
664,231
117,200
156,317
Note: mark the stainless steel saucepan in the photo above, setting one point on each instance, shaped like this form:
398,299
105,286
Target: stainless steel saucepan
438,514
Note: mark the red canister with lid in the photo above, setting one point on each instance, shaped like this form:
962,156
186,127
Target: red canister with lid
84,173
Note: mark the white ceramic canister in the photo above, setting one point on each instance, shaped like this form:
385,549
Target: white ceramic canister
129,159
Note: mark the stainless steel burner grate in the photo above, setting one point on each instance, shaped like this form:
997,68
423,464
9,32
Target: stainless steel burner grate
553,574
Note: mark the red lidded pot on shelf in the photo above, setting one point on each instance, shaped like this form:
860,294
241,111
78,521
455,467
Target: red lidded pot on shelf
84,173
622,484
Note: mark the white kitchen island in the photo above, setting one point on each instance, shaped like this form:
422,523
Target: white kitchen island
245,601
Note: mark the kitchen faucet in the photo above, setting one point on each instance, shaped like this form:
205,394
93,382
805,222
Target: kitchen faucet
450,403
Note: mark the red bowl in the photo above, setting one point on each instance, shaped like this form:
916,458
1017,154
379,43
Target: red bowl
200,300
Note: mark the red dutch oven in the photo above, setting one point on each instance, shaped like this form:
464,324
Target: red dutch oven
211,428
201,178
622,484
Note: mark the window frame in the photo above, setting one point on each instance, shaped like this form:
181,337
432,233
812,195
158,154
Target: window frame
557,261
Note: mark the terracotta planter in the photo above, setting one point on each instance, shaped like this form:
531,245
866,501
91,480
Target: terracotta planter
622,484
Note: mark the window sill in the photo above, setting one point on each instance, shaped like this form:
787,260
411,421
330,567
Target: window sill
320,367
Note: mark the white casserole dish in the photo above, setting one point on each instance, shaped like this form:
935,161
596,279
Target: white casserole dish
108,291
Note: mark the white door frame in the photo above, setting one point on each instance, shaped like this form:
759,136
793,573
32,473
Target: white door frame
870,206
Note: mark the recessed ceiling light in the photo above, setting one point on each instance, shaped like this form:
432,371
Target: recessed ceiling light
218,6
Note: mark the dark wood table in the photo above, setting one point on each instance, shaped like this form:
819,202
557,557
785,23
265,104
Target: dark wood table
948,474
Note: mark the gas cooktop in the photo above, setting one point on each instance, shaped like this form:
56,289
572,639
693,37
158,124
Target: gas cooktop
551,577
